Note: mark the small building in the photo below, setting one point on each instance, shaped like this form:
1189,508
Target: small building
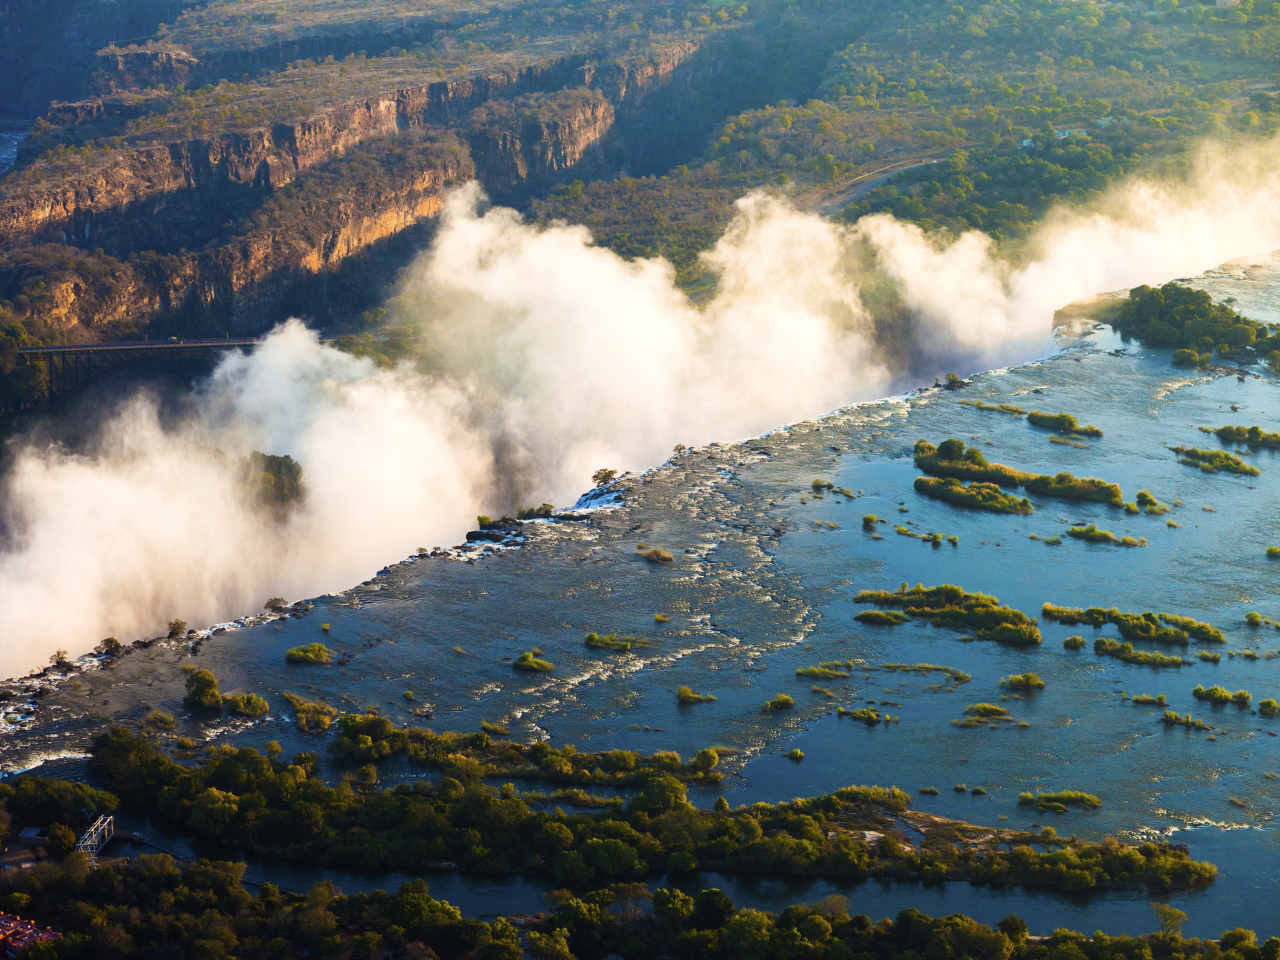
16,935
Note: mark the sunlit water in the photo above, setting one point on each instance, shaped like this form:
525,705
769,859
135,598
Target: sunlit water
11,131
763,583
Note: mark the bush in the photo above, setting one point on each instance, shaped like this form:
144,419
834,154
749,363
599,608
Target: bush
1185,358
656,555
309,653
686,695
1023,681
1061,798
1074,643
1062,422
1220,695
202,691
883,618
527,661
313,716
59,841
780,702
248,705
978,495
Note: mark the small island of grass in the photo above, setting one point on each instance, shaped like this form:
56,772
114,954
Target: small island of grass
1255,437
868,715
951,606
1023,681
780,702
830,670
1146,700
1062,423
978,495
882,618
313,716
686,695
1214,461
527,661
1221,696
1059,801
1092,534
1074,643
1171,719
1125,652
310,653
655,555
952,459
612,641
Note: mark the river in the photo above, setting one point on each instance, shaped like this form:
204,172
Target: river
763,583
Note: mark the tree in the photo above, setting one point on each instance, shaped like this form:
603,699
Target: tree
1013,927
58,658
213,811
110,646
603,476
1170,918
60,841
712,909
177,628
276,605
549,946
202,691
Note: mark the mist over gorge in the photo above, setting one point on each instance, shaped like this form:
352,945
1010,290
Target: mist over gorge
546,358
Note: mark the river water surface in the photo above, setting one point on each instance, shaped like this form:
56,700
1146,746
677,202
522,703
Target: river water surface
763,582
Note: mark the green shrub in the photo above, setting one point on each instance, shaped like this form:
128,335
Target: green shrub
313,716
1060,798
686,695
1220,695
1172,719
1023,681
1268,708
1124,651
868,715
1092,534
1209,657
310,653
202,691
1062,422
823,672
1074,643
978,495
780,702
1213,461
796,755
248,705
527,661
883,618
1146,700
869,521
1273,553
1185,358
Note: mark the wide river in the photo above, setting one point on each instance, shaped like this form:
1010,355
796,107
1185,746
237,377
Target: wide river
763,583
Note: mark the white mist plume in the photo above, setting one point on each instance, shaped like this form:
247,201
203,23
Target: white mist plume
973,305
552,358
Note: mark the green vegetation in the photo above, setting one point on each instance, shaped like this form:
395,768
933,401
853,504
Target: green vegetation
996,408
978,495
1198,629
952,460
202,691
310,653
1172,719
1273,553
1023,681
1255,437
1124,651
1059,801
780,702
1146,626
869,521
796,755
1063,423
1177,316
1092,534
883,618
1268,708
1066,486
1146,700
981,715
952,607
655,555
1209,657
1213,461
275,481
956,677
613,642
1220,695
313,716
1074,643
247,705
868,715
686,695
1185,358
825,671
528,662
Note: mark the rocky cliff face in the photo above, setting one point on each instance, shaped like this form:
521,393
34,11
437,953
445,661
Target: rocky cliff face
49,45
128,184
147,207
